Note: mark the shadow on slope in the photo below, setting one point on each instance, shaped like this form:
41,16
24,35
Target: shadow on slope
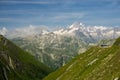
16,64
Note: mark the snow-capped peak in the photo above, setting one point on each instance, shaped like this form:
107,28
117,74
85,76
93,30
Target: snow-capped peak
45,32
70,30
59,31
76,29
100,27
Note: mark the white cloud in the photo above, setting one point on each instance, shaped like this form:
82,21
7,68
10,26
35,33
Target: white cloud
23,31
26,31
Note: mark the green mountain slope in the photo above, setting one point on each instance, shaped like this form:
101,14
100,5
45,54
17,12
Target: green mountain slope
16,64
98,63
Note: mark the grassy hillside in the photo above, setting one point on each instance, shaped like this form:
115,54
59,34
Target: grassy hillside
16,64
97,63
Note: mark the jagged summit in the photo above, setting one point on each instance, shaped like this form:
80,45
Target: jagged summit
72,30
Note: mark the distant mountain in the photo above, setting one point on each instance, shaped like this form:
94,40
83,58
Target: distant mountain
51,49
16,64
56,48
97,63
76,29
90,33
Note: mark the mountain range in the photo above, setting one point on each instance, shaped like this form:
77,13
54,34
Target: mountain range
55,48
78,52
76,29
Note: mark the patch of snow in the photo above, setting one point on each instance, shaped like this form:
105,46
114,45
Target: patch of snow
100,27
76,24
72,30
71,26
118,33
59,31
45,32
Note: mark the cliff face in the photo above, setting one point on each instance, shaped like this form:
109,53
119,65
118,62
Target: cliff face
98,63
16,64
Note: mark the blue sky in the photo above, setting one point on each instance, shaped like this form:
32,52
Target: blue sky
52,13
